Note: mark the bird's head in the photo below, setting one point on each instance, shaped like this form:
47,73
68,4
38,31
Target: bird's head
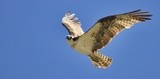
69,37
72,40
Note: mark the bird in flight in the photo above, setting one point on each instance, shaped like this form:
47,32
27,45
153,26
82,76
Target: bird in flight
101,33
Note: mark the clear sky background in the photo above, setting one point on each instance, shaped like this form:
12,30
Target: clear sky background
33,41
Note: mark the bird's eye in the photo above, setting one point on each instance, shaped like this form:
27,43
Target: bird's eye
69,37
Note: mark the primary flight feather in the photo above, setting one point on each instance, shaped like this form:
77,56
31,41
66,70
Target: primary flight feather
101,33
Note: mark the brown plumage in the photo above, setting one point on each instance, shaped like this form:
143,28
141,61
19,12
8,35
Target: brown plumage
111,26
102,32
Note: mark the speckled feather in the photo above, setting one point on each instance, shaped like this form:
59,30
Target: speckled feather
112,25
102,32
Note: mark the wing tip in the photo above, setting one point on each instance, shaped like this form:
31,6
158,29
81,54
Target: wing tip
141,15
138,10
71,16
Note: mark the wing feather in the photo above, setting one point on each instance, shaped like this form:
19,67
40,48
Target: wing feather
72,24
106,28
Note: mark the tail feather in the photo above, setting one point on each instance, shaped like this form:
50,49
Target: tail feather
99,60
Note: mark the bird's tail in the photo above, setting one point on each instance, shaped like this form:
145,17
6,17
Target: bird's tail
100,60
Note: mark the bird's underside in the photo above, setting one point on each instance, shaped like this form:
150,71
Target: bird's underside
101,33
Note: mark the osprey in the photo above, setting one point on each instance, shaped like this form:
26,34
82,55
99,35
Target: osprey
101,33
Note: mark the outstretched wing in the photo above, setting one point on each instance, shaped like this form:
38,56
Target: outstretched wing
72,24
106,28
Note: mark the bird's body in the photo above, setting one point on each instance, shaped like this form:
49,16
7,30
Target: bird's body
82,47
102,32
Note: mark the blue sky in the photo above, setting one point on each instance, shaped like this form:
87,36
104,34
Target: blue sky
33,41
